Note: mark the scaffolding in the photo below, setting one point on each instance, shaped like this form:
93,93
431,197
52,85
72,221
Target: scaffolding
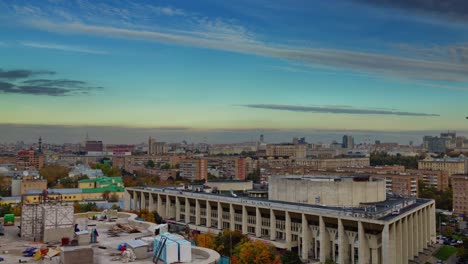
46,222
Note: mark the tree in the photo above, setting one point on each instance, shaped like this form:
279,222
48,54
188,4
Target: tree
206,240
251,252
106,195
150,164
157,218
290,257
113,198
165,166
227,240
53,173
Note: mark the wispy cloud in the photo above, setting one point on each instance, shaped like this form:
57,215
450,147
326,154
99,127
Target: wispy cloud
62,47
342,59
21,73
447,9
20,82
334,110
193,30
3,44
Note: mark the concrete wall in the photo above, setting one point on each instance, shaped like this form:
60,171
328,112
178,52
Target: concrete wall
231,185
329,193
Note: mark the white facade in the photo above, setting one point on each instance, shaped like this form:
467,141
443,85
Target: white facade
395,231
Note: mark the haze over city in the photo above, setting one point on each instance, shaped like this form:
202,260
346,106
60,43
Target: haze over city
196,70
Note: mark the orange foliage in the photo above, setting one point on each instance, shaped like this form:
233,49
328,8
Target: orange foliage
206,240
251,252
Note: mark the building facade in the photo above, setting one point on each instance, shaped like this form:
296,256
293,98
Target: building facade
289,150
450,165
460,196
194,169
395,231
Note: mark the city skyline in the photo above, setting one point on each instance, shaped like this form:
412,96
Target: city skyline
388,67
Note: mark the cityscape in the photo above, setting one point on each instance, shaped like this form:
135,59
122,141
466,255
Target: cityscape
242,132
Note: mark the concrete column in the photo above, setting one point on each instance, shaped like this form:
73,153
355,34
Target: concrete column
135,201
375,255
288,230
168,207
220,216
305,238
385,243
258,222
143,201
127,200
405,239
272,225
325,249
208,214
231,217
410,237
343,245
399,242
177,208
151,202
197,212
363,245
159,207
244,220
415,234
187,211
432,216
420,231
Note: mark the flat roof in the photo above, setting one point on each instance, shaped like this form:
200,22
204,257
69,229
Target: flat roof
376,211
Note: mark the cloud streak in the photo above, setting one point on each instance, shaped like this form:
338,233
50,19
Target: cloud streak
63,47
19,74
377,63
447,9
20,82
334,110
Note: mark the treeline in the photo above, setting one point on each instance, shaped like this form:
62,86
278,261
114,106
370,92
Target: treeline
443,199
382,159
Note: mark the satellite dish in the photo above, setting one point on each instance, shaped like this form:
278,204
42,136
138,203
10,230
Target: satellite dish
25,173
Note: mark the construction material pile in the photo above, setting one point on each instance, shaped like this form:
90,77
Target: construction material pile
121,228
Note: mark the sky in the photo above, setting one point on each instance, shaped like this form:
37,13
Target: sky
226,71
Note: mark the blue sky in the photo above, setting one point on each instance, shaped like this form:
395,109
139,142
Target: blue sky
243,65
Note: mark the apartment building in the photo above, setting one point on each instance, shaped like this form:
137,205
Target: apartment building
287,149
460,195
457,165
194,169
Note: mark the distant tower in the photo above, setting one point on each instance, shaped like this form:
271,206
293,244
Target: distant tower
261,138
40,145
151,142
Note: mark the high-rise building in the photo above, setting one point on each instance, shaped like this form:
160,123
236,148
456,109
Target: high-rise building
460,197
94,146
348,141
440,144
194,169
157,148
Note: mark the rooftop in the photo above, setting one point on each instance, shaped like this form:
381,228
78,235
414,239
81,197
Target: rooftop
377,211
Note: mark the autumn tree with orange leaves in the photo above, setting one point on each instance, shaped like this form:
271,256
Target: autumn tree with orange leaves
206,240
252,252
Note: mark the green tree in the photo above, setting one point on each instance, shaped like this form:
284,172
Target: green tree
227,240
150,164
157,218
290,257
165,166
